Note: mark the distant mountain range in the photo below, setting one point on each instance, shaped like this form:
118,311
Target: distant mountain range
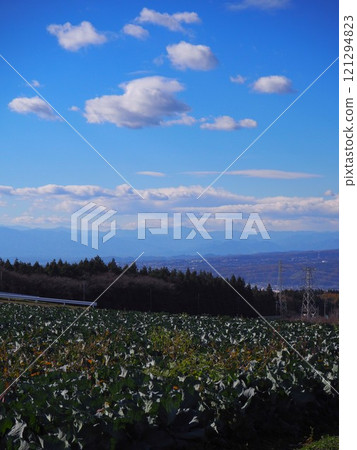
46,244
262,268
253,259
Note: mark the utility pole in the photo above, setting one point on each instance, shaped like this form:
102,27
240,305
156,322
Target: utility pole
282,305
308,309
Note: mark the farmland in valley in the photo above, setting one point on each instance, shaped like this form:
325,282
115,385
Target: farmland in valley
136,380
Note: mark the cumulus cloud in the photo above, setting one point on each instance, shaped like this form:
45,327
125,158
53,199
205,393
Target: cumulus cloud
184,119
6,190
145,102
151,173
280,207
262,173
259,4
123,195
238,79
28,220
171,21
273,84
227,123
73,37
74,108
34,105
284,205
55,190
59,201
135,31
188,56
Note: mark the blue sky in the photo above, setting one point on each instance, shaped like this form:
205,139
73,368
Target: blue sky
210,64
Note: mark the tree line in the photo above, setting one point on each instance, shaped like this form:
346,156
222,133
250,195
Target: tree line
151,289
144,289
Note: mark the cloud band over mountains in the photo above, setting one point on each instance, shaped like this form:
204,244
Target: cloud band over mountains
57,202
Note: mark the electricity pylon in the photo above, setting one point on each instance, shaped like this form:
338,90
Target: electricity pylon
308,309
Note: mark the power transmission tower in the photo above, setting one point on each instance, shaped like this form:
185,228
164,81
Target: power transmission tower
282,305
308,309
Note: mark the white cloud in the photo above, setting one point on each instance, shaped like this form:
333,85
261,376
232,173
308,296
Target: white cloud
27,219
273,84
6,190
188,56
238,79
35,83
259,4
187,17
54,190
140,72
135,31
302,224
145,102
171,21
151,173
35,105
298,205
58,202
329,193
227,123
159,60
74,108
73,37
123,197
279,207
184,119
262,173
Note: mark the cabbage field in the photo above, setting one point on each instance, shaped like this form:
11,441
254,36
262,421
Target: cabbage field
145,381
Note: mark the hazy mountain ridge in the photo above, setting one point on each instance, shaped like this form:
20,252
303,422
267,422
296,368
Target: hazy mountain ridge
254,259
262,268
47,244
